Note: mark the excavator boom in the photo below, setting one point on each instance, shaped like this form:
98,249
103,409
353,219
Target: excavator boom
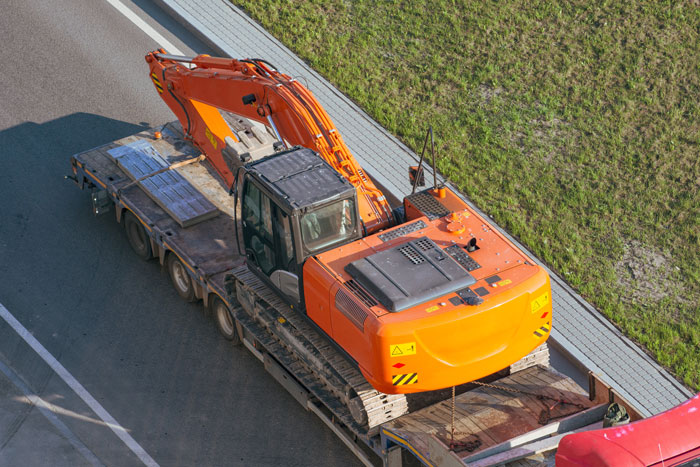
198,90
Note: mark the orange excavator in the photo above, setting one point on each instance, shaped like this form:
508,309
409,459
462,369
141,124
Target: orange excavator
426,300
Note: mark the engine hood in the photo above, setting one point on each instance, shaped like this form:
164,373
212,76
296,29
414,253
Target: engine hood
408,274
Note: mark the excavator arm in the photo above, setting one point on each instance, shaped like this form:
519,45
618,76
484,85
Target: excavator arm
255,90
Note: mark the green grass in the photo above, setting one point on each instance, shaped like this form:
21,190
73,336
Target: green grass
575,125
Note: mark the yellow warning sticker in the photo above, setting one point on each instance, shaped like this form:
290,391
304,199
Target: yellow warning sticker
505,282
431,309
539,302
401,350
210,137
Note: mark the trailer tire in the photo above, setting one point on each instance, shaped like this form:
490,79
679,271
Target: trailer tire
180,278
224,320
137,236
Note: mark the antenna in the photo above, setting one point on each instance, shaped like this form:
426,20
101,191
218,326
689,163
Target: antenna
417,172
432,150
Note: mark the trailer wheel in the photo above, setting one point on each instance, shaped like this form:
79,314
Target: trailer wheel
180,278
224,320
137,236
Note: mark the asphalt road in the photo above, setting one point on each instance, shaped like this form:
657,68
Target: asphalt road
73,77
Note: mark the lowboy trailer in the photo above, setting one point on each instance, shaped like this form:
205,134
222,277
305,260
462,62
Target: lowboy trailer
176,209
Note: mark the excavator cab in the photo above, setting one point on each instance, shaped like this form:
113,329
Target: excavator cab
293,205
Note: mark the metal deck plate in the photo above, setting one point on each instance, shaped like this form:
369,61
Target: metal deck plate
169,190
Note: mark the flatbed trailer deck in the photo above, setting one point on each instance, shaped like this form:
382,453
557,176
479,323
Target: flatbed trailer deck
206,248
486,419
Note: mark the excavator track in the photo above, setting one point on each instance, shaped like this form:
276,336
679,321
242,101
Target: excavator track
312,359
304,351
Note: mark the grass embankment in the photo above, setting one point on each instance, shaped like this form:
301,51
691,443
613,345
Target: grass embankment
577,126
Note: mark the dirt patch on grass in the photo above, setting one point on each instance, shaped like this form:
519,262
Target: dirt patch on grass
548,139
488,92
554,128
644,274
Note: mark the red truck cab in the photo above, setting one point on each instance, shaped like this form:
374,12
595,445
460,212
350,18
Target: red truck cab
671,438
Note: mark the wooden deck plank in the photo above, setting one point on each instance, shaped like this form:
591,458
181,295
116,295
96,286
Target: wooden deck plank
494,415
506,422
463,421
444,418
563,388
476,425
471,428
476,400
417,434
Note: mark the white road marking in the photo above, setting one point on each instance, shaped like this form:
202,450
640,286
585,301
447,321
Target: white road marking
77,387
145,27
48,411
57,409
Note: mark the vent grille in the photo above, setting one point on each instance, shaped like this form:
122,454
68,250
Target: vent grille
428,205
350,309
361,293
461,256
401,231
424,244
412,254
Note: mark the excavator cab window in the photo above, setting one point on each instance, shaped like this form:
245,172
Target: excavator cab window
268,239
257,229
328,225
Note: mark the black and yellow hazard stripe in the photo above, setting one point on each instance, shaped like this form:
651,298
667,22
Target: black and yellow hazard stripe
406,378
156,81
542,330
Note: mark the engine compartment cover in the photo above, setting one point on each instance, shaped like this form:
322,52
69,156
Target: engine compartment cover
408,274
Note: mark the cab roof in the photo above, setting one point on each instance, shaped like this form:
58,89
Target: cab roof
300,178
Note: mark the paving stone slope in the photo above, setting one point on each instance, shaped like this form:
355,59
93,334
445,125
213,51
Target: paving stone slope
579,329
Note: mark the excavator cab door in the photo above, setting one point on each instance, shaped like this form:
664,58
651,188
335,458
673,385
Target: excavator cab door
294,205
268,240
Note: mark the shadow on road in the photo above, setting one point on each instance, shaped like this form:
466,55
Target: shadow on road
56,140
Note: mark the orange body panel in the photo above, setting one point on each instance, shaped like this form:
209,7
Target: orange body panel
320,289
437,344
195,96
